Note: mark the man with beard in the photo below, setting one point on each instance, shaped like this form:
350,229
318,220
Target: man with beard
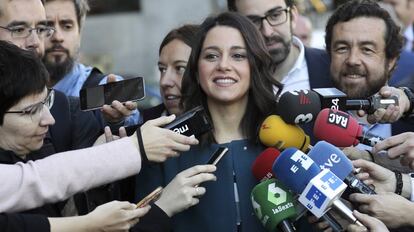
62,50
297,67
364,45
23,23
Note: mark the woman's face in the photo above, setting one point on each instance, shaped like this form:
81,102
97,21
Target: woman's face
23,133
173,61
224,70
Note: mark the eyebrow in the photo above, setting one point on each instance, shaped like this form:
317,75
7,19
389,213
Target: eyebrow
17,23
275,9
365,42
218,49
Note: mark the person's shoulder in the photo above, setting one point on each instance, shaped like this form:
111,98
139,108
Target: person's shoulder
315,52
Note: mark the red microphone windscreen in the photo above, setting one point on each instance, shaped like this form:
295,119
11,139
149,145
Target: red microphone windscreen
262,166
337,127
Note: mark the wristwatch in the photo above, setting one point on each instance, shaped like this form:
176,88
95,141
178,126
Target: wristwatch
410,95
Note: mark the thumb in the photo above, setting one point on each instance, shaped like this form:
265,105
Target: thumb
361,113
161,121
111,78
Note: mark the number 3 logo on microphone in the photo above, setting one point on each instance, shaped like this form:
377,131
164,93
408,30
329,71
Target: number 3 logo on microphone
303,118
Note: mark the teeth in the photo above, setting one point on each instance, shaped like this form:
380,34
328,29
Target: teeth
172,97
224,81
354,76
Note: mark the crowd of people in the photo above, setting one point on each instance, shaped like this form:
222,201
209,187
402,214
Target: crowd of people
58,175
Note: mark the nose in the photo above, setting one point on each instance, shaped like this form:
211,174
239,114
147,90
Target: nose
46,118
266,29
224,64
167,78
354,57
57,36
33,41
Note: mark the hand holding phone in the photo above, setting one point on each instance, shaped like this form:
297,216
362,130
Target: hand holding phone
153,196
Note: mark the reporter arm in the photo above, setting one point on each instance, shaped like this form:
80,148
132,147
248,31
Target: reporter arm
59,176
155,220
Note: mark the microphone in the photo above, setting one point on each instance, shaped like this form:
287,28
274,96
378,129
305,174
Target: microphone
262,170
274,205
330,157
319,190
274,132
342,130
262,166
304,106
193,122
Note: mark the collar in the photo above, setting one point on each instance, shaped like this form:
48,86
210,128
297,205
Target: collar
300,61
9,157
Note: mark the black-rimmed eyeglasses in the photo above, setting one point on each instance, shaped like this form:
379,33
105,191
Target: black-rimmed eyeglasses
274,18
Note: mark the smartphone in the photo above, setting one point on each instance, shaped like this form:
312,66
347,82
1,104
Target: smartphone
193,122
153,196
217,155
125,90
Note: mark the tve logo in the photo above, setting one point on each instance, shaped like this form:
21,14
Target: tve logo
332,159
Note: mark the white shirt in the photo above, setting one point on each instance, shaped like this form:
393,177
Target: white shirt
298,76
409,36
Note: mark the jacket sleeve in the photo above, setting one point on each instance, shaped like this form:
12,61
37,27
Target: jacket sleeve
55,178
156,220
24,223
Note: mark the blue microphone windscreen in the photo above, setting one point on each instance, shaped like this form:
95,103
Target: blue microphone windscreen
329,156
295,169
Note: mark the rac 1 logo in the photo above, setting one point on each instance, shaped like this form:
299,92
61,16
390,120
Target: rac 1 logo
339,119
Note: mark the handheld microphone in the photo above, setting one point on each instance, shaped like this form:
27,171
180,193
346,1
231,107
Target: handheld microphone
330,157
371,104
318,190
341,129
262,166
304,106
274,132
193,122
274,205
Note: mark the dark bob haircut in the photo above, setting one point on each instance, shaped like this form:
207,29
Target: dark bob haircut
261,98
22,74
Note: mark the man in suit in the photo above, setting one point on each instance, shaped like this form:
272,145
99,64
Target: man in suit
298,67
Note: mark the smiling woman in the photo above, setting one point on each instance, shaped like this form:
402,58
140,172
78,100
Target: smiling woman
229,74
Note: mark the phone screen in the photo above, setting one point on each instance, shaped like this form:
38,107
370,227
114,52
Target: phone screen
126,90
153,196
218,154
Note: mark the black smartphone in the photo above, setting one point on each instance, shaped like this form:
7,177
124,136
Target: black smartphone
193,122
125,90
217,155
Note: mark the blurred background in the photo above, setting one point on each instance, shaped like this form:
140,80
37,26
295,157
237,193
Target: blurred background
123,36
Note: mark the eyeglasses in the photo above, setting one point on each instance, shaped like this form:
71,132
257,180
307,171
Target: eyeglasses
21,32
34,111
274,18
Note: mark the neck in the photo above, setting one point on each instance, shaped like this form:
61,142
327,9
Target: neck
18,152
226,120
283,68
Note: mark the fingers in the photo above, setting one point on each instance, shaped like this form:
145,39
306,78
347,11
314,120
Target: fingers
197,170
120,108
122,132
180,140
365,165
387,143
365,219
137,212
161,121
108,134
199,191
360,198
